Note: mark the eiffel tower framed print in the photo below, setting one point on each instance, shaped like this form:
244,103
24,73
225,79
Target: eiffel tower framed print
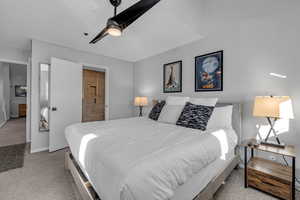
173,77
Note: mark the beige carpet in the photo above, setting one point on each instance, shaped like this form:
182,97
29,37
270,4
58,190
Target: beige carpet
13,132
43,177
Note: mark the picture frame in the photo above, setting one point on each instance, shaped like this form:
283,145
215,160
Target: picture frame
172,77
209,72
20,90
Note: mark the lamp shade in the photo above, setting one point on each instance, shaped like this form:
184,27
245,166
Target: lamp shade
277,107
141,101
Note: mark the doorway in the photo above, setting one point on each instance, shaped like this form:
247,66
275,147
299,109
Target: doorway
13,103
93,98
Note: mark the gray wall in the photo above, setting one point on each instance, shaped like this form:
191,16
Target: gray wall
9,54
6,88
252,50
120,83
2,110
18,76
4,93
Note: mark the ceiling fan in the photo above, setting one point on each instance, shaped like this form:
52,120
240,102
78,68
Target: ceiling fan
119,22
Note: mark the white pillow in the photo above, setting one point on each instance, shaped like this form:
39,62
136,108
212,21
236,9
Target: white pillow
175,100
220,118
172,110
204,101
170,113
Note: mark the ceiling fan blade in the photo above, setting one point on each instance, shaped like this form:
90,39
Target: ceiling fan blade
128,16
100,36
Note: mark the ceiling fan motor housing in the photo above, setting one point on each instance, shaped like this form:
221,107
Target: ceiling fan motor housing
112,23
115,3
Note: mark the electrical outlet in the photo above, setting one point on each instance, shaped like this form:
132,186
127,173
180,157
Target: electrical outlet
273,158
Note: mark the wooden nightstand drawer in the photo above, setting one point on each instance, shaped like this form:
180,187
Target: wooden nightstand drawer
270,177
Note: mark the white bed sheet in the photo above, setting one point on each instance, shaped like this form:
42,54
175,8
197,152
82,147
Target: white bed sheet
198,182
79,136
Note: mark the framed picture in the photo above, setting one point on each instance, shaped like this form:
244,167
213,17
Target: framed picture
20,91
209,72
173,77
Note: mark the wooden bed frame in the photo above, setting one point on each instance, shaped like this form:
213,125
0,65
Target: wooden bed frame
88,193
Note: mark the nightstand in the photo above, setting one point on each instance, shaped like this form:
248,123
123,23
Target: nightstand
269,176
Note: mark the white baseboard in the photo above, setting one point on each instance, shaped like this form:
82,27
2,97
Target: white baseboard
39,150
2,124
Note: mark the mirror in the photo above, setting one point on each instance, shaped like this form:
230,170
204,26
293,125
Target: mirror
44,97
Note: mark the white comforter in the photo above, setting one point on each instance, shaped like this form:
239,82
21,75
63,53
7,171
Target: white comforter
140,159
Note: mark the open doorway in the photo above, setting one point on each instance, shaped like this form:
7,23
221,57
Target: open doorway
13,103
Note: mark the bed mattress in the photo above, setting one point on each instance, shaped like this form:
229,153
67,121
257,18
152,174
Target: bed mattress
107,151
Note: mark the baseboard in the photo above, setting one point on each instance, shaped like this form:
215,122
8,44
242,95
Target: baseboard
2,124
39,150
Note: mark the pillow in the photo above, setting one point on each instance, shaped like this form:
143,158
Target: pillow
195,116
175,100
170,114
172,110
204,101
155,112
221,118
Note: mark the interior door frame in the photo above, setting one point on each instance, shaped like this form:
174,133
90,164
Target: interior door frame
28,96
105,69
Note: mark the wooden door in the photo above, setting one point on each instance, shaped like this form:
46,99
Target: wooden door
93,106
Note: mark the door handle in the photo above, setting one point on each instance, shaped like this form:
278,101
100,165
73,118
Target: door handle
54,109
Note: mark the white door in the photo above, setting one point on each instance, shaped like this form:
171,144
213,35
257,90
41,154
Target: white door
65,100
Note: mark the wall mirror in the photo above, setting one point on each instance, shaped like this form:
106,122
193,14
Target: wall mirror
44,97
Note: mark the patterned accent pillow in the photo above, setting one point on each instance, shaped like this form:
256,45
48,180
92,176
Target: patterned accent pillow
155,112
195,116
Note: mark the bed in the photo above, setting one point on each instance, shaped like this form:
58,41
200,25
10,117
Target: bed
136,158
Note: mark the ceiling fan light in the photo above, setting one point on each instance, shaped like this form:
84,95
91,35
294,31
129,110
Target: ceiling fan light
113,28
114,31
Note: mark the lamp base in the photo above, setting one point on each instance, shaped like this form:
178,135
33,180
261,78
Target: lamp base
273,144
141,111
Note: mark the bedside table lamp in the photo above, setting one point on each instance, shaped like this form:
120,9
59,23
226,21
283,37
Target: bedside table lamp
141,102
273,108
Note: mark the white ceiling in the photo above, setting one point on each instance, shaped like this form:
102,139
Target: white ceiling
170,24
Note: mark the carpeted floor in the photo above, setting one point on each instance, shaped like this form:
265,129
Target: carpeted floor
13,132
43,177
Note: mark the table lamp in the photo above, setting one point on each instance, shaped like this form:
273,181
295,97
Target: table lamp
273,108
141,102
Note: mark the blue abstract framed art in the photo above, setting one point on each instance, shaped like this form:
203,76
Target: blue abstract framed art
209,72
